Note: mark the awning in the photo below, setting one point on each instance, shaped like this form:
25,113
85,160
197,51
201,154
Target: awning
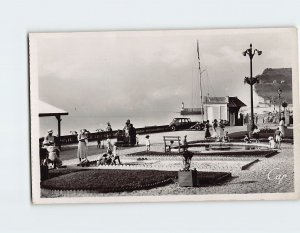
46,109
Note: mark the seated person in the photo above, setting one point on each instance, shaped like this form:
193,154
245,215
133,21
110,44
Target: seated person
272,143
105,159
84,163
43,156
170,146
226,137
53,156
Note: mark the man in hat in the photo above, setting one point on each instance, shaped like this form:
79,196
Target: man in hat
49,140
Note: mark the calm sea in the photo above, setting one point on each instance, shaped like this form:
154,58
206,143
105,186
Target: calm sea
75,123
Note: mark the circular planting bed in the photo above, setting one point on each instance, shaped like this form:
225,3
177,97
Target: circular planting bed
107,180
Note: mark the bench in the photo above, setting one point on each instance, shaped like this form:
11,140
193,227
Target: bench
167,142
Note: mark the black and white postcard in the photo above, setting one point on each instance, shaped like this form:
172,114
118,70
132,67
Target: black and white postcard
171,115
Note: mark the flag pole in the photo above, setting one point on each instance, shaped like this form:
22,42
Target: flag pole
200,82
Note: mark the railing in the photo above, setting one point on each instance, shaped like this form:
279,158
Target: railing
187,111
72,139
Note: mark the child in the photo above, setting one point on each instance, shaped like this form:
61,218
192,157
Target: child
137,140
171,145
115,155
147,143
256,134
184,143
247,139
226,137
271,142
109,144
278,136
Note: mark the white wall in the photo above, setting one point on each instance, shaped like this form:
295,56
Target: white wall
216,111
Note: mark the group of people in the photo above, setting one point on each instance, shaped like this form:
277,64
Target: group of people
49,152
218,130
274,141
130,133
111,156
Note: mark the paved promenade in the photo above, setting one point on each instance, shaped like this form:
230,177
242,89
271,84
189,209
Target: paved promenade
268,175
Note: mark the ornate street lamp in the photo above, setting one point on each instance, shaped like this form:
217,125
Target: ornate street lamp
284,105
251,80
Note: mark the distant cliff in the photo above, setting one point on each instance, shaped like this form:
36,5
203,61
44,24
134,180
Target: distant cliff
272,79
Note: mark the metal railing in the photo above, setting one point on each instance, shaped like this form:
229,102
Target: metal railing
72,139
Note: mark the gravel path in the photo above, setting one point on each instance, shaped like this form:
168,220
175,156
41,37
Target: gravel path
270,175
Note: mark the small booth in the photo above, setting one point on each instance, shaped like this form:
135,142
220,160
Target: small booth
222,108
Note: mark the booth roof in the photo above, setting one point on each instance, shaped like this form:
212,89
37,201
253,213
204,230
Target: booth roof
231,101
46,109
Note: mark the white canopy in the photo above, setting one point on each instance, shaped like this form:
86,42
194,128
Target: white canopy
46,109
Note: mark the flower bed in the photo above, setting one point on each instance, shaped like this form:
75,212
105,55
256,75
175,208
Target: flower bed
260,153
263,134
108,180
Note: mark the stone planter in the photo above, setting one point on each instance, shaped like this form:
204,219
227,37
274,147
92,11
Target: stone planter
187,178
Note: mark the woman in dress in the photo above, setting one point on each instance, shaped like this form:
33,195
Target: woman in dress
215,126
82,145
221,129
281,126
207,133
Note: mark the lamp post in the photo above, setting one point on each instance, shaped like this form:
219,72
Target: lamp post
279,91
284,105
250,80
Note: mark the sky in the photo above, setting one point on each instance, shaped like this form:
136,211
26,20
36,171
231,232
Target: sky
152,72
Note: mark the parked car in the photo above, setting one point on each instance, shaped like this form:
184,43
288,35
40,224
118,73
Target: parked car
185,123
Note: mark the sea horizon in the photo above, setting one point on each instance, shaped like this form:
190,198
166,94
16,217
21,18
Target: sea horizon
92,123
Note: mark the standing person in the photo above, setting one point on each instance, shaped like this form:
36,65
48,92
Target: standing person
278,138
226,137
109,144
132,135
256,134
115,155
256,119
82,145
215,126
49,139
207,133
126,131
281,126
148,143
99,137
108,128
184,143
246,119
221,129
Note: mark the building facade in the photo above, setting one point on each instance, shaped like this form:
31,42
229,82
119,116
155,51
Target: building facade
223,108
